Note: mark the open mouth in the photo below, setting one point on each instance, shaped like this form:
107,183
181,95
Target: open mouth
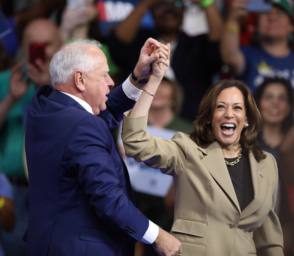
228,128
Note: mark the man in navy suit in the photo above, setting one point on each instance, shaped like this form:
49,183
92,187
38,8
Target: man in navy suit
79,190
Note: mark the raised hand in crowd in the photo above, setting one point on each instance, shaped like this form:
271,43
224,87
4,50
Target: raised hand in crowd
18,85
39,72
75,19
237,9
17,89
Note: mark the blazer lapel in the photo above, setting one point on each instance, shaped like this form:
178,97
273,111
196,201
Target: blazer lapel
214,162
258,188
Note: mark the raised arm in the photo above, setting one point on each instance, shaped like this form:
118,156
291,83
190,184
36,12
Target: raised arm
162,54
17,89
122,98
165,244
128,28
214,19
153,151
230,46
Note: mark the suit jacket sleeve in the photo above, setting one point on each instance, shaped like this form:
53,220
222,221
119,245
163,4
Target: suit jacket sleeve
167,155
269,238
117,104
90,152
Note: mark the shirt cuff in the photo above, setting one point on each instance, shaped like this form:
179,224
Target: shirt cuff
151,233
130,90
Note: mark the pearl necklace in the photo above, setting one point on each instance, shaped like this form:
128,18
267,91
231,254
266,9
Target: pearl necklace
232,163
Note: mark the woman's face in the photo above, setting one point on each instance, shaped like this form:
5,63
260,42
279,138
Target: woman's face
229,117
274,105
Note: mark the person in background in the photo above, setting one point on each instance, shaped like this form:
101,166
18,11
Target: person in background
226,186
166,106
274,98
195,59
41,40
12,22
6,207
83,187
17,89
79,22
272,55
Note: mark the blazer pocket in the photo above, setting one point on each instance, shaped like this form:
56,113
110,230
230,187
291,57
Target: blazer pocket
193,228
190,232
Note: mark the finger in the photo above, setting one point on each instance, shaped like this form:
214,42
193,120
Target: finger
165,46
162,53
163,58
152,58
33,73
17,67
32,69
151,41
165,49
41,65
150,46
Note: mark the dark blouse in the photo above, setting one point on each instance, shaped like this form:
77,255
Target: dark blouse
241,179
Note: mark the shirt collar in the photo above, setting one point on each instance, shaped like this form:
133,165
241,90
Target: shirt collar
83,103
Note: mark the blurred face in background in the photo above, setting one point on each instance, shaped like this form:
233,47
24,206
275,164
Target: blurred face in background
42,31
168,16
274,104
163,98
275,24
166,103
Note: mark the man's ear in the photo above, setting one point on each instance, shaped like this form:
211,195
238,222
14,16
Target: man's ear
79,81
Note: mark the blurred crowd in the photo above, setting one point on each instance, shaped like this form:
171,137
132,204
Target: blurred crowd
210,40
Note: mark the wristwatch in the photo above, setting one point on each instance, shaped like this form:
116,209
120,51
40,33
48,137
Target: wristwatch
139,81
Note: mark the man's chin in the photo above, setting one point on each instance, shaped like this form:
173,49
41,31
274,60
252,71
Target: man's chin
103,107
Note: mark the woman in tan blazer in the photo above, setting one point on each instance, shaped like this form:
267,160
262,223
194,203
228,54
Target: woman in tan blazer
225,185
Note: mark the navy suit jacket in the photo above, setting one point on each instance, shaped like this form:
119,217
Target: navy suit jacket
79,190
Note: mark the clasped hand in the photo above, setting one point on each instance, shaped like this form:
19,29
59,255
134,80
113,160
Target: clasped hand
154,59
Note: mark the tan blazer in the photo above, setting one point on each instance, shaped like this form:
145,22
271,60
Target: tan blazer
208,219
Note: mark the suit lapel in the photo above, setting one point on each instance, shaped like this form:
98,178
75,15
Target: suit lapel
257,180
214,162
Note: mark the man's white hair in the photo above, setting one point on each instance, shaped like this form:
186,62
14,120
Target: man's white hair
74,56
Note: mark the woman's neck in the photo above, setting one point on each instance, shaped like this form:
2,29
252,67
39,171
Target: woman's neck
272,135
231,151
